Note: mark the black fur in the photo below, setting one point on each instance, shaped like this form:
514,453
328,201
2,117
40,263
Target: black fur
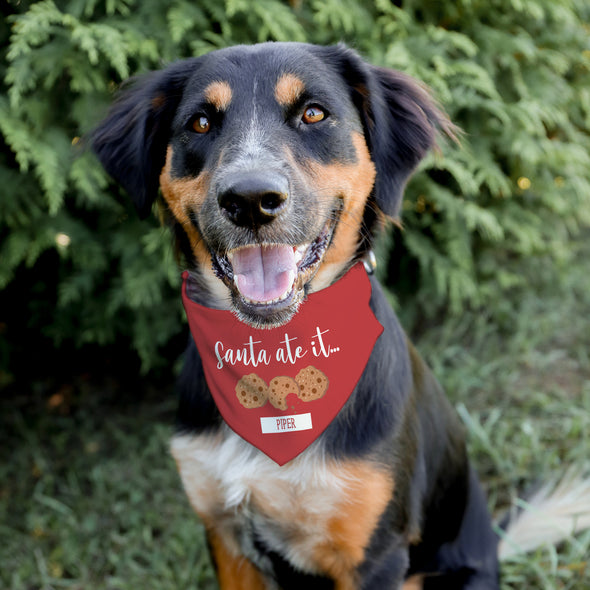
131,142
399,118
436,523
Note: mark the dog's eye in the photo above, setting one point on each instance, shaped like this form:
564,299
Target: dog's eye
313,114
201,124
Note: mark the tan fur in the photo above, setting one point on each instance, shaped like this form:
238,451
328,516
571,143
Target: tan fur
288,89
353,183
158,102
233,571
352,522
414,583
219,94
181,195
320,512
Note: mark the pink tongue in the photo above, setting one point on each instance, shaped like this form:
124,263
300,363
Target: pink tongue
264,273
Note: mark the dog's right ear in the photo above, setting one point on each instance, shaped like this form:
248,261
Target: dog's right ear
131,141
401,121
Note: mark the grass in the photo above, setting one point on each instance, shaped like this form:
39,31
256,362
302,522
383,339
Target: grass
524,395
90,499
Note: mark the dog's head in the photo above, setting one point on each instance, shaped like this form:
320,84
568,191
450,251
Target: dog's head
275,164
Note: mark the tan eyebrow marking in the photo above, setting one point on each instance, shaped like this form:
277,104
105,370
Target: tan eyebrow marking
219,94
288,89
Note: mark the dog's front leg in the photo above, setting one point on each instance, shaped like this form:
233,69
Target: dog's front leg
234,571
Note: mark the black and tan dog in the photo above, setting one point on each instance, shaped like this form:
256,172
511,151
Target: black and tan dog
307,149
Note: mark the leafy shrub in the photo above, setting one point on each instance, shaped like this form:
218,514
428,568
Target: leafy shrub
480,222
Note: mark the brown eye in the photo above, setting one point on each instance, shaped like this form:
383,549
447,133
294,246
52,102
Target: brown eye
201,124
313,114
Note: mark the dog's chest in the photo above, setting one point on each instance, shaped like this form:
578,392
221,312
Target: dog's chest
309,510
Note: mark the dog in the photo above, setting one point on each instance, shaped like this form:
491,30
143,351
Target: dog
297,155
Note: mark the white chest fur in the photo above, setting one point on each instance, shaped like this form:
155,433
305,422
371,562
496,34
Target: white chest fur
240,491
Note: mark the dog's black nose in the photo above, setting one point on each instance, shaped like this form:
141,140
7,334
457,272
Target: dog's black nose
254,198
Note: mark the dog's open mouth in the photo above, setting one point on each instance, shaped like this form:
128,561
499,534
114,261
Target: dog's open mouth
268,281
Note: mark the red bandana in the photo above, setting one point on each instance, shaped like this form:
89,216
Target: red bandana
280,388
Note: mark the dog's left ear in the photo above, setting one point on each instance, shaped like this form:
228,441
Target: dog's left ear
401,122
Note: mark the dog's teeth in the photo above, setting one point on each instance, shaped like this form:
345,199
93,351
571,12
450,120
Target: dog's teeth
300,252
271,302
281,298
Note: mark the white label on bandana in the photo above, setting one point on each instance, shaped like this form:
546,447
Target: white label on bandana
280,424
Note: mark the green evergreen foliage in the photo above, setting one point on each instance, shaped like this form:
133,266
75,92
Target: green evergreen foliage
481,221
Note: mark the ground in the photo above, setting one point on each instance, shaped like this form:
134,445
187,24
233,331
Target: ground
90,499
